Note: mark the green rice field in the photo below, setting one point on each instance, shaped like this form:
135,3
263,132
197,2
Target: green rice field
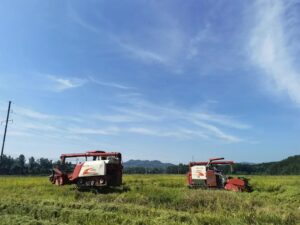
149,199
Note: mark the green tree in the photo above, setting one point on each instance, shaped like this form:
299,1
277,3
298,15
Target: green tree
21,163
31,165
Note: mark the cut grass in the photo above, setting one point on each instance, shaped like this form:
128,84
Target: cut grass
149,199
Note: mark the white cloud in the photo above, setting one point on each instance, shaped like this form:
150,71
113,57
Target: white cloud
271,47
62,84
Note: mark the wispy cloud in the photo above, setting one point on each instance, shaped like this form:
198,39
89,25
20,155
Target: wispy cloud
29,113
193,133
87,131
139,114
32,114
271,46
204,35
138,117
109,84
62,84
158,120
153,132
219,119
137,52
30,122
165,41
75,17
117,118
216,132
141,53
180,133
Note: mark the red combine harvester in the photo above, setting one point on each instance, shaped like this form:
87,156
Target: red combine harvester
206,175
92,169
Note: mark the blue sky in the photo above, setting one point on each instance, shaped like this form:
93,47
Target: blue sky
167,80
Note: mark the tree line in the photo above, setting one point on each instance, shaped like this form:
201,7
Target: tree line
19,166
43,166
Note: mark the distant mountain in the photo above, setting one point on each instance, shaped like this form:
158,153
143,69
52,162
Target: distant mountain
291,165
288,166
146,164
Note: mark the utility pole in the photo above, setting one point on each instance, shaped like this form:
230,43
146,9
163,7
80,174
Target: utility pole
4,135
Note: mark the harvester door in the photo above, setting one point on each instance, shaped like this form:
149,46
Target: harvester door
93,168
198,173
211,178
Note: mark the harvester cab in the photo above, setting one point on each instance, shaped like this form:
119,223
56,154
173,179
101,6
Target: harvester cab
208,175
91,169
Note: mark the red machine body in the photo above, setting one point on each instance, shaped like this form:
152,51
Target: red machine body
206,175
95,169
